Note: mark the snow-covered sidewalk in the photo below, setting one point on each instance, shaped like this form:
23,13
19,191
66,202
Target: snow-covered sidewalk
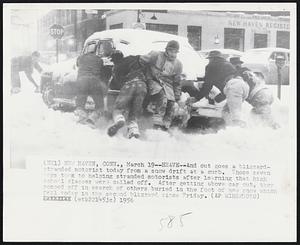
37,130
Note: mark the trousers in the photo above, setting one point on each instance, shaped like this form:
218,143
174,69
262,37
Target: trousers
130,100
90,86
164,109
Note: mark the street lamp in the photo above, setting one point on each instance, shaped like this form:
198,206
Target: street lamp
153,17
217,40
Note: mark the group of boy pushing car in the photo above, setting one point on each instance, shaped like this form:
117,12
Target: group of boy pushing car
156,78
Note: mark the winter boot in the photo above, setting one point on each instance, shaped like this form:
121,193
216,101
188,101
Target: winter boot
93,117
119,123
81,114
133,130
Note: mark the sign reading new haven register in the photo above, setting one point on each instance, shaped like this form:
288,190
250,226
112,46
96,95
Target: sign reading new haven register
258,24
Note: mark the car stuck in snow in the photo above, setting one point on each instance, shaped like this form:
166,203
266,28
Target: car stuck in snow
58,82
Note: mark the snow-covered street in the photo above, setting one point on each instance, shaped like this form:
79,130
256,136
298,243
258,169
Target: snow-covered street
37,130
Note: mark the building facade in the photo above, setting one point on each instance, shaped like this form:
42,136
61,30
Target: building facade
77,24
207,29
204,29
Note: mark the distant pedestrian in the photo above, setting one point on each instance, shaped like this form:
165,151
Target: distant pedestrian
26,64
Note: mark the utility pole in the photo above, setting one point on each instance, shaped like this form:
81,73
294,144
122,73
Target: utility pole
138,20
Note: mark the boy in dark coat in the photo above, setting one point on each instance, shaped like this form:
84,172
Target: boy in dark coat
129,78
89,83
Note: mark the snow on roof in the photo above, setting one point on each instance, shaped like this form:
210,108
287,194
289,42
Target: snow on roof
135,35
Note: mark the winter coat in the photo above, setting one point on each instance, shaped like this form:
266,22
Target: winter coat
24,63
163,74
260,95
89,65
216,73
128,69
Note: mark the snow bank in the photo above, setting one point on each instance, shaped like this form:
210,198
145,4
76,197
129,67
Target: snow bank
38,130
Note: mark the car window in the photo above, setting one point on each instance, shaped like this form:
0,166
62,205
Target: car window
90,48
105,48
275,54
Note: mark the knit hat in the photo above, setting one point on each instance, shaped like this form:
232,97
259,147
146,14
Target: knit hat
173,45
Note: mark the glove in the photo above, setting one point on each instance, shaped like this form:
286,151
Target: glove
213,92
190,101
211,101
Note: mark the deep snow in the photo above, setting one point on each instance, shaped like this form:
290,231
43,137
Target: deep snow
37,130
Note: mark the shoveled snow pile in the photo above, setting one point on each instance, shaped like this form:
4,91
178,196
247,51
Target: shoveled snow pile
37,130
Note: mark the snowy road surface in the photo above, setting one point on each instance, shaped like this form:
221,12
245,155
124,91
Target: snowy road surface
37,130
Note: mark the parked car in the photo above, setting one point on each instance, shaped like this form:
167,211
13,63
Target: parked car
262,60
58,82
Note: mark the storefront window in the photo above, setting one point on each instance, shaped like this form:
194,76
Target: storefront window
234,38
283,39
260,40
194,36
116,26
171,29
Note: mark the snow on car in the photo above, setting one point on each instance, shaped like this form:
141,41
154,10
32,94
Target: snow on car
139,42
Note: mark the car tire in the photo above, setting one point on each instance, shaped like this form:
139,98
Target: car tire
48,96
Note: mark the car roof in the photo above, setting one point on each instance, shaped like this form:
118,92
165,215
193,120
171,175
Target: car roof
135,35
